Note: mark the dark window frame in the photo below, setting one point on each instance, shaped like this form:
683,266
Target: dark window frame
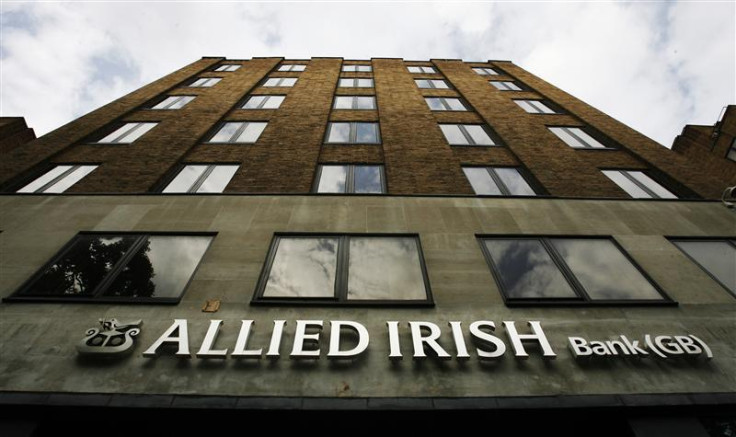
552,106
200,180
355,82
528,177
646,172
341,273
497,142
602,138
521,86
421,67
174,171
354,103
353,133
430,81
291,68
191,84
280,79
241,105
442,99
226,68
350,179
729,240
47,168
97,295
237,133
582,298
116,126
356,66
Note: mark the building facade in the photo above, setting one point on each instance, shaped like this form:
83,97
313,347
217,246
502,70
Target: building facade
430,237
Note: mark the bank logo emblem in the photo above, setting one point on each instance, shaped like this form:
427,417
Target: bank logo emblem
113,338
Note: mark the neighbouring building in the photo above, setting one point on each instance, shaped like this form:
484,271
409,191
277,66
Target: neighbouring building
272,241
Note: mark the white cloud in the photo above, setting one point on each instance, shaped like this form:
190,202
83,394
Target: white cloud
653,66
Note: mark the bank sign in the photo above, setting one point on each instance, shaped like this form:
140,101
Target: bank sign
349,339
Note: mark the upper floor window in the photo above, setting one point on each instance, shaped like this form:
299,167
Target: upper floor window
534,106
280,81
355,83
355,102
202,178
136,267
505,85
239,132
716,257
732,151
58,179
485,71
466,135
127,133
330,269
357,68
432,83
292,67
539,269
498,181
354,132
638,184
357,179
577,138
263,102
445,104
173,102
227,67
421,69
205,82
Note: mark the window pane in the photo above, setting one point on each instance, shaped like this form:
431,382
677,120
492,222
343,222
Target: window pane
366,103
161,268
254,102
717,257
365,83
455,105
339,133
285,68
70,179
481,181
298,67
652,185
565,136
346,82
183,100
365,68
428,70
415,69
118,133
514,182
303,267
587,139
453,134
344,102
166,102
367,133
397,260
81,269
603,271
626,184
422,83
185,179
45,179
136,132
441,84
251,133
288,81
226,132
435,104
368,179
332,179
274,81
218,179
527,106
273,102
527,270
479,135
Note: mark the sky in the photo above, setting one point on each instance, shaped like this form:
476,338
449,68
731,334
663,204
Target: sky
654,66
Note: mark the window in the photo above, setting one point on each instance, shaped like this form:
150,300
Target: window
498,181
280,81
202,178
357,68
505,85
263,102
127,133
355,83
173,102
292,67
466,135
353,133
227,67
540,269
354,179
535,107
638,185
239,132
58,179
131,267
432,83
576,138
716,257
421,69
445,104
355,102
485,71
343,269
732,151
205,82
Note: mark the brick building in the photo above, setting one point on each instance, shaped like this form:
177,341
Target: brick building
270,190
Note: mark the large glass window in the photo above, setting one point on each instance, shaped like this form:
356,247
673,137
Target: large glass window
58,179
466,135
131,267
716,257
263,102
127,133
205,82
173,102
505,85
227,67
355,83
421,69
353,133
638,184
354,179
342,269
445,104
498,181
202,178
292,67
239,132
280,82
432,83
534,106
540,269
576,138
355,102
357,68
485,71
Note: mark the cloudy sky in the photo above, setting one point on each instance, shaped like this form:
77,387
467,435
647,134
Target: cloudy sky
653,65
